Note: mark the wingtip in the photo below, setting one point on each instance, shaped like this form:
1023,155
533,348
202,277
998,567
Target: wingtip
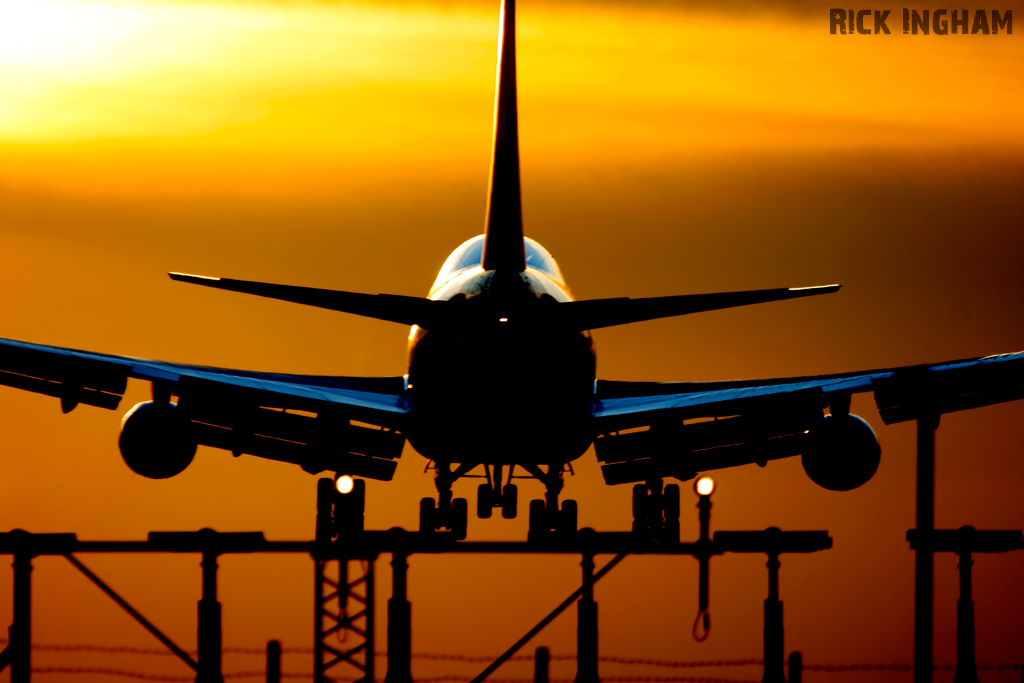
185,277
818,289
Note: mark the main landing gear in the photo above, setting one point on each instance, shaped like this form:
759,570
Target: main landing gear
446,512
454,516
656,511
546,517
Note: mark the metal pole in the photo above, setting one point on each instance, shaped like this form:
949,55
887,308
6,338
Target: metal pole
796,667
399,624
773,634
21,630
702,624
209,624
541,662
966,667
319,567
924,572
586,627
273,662
704,514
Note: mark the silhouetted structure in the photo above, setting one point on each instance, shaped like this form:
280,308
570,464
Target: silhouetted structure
399,622
702,624
965,541
586,625
344,585
773,542
541,666
342,542
795,667
209,624
924,562
20,645
273,662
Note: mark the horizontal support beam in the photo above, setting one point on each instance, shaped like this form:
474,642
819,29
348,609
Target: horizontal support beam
372,543
773,541
965,540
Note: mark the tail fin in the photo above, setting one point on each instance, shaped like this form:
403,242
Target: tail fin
503,241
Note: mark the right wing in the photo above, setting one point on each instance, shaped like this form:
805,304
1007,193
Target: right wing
660,429
350,424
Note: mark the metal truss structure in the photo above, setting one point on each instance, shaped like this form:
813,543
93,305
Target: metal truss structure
344,554
344,625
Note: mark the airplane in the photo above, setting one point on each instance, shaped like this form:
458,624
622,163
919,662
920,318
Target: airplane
502,375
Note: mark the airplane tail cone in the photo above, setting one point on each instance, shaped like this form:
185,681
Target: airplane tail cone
503,242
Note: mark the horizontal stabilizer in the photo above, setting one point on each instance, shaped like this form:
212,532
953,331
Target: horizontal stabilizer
407,310
595,313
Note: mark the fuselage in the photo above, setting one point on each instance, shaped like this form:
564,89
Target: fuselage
508,384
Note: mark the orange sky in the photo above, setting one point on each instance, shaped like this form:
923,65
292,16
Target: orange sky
665,150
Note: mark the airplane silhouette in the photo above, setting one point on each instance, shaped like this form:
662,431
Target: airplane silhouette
501,374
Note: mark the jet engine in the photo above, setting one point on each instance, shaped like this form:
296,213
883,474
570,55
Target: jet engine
842,453
155,441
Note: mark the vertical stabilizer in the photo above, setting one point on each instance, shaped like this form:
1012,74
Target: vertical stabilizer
503,244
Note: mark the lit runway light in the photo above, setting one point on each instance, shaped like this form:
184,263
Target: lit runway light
345,484
704,486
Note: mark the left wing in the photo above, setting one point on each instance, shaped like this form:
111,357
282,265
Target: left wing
303,419
651,429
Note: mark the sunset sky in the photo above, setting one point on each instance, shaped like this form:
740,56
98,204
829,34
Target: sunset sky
666,148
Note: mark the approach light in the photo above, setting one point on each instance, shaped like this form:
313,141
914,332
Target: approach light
502,320
704,486
345,484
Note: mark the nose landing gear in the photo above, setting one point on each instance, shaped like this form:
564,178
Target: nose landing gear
546,517
493,495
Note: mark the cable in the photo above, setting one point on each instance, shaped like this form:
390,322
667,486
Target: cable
435,656
436,679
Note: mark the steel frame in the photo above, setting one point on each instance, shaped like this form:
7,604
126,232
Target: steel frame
344,620
345,588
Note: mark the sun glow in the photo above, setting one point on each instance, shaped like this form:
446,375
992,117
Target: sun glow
58,32
92,70
310,100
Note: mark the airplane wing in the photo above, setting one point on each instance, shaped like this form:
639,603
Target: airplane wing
350,424
651,429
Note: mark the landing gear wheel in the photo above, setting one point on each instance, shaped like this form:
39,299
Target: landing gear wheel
428,516
484,505
459,518
510,501
568,518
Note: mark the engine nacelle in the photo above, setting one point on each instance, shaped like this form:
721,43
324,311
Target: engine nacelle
154,440
842,453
